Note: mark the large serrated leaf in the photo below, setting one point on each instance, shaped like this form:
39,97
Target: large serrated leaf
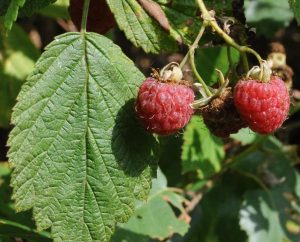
140,28
80,158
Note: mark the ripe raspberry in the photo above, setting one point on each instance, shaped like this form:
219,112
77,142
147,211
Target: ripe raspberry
220,115
263,105
100,18
164,107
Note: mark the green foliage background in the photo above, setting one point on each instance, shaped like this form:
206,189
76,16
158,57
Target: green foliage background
84,169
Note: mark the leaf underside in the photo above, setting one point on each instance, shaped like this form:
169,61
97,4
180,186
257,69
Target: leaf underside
140,28
80,158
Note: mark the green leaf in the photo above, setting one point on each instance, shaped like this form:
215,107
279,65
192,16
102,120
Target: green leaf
14,224
269,218
216,217
201,150
19,56
33,5
170,158
190,7
268,16
140,28
4,6
12,13
73,161
182,16
14,229
246,136
123,235
221,7
155,218
271,214
59,9
295,6
209,59
14,8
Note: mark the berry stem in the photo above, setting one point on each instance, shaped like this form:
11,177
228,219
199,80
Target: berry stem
213,23
196,73
245,61
85,12
191,56
194,45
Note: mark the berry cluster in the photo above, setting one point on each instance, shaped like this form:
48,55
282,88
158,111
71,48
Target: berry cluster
164,105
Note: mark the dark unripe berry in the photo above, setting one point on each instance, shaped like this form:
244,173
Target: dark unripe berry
221,116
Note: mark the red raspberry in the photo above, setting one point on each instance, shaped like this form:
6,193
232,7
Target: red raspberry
164,107
263,105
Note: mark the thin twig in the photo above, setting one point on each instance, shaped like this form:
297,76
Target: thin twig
213,23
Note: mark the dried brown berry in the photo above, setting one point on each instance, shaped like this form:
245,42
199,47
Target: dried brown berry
277,61
221,116
277,47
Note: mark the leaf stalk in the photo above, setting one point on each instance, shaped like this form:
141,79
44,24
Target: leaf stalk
85,12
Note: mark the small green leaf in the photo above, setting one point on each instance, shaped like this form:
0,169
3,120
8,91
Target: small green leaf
73,161
155,218
183,19
295,6
210,59
4,6
201,150
12,13
140,28
14,8
59,9
268,16
170,150
190,7
218,212
221,7
246,136
15,224
271,214
123,235
267,217
19,56
33,5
